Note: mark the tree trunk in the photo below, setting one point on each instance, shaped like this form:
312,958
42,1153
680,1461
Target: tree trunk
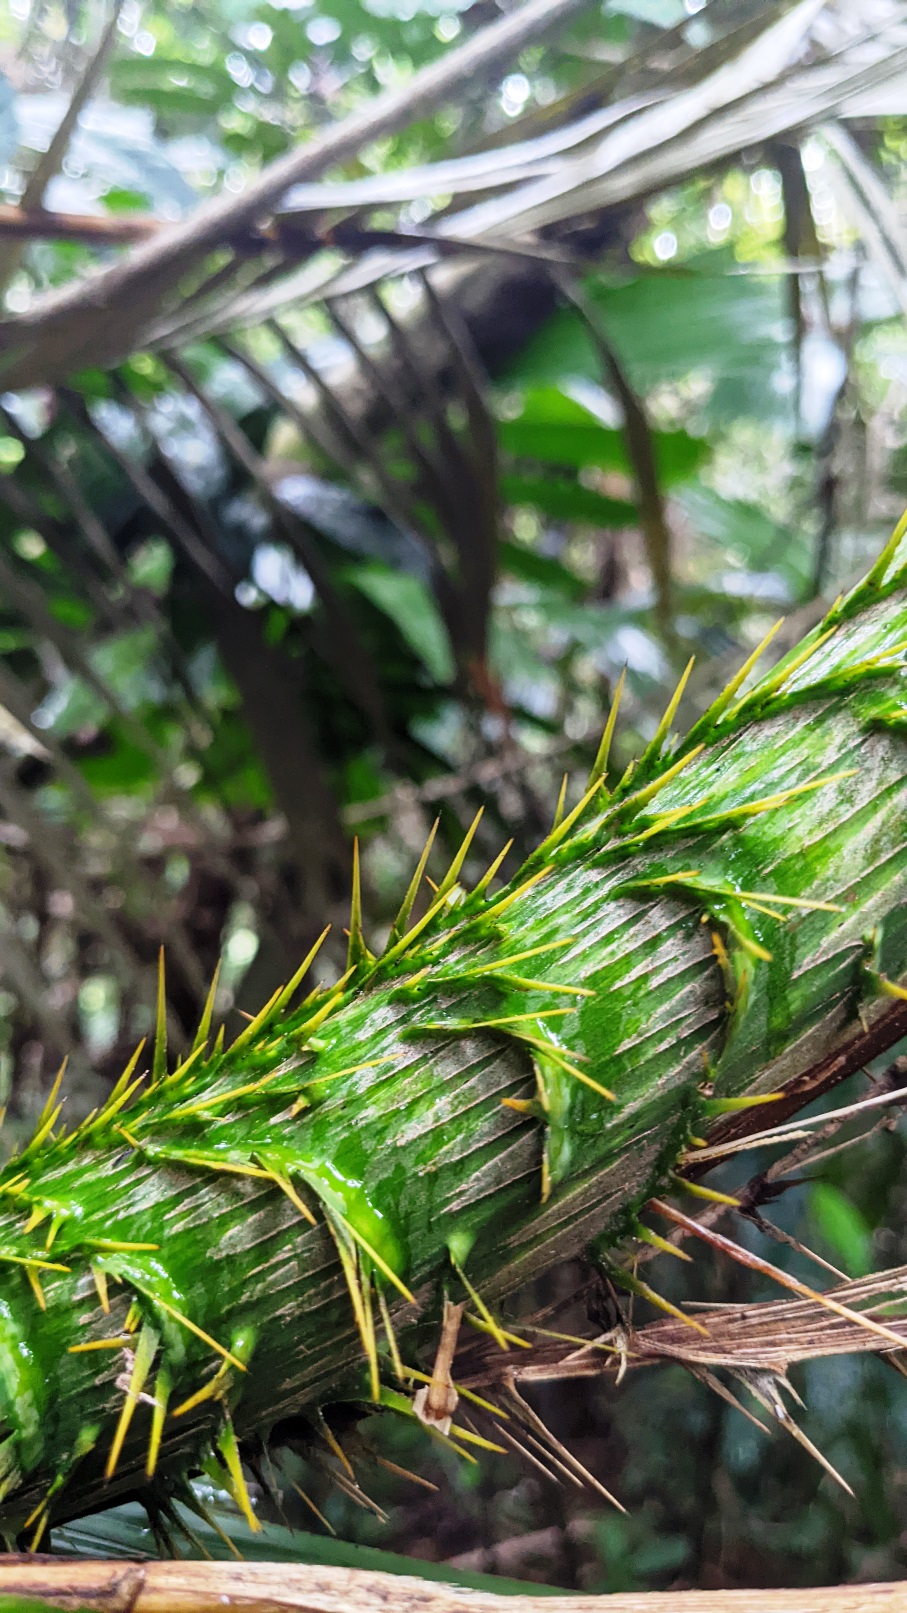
513,1079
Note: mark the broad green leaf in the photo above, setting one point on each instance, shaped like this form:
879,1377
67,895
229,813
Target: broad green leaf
125,665
844,1230
745,535
541,569
567,500
557,430
171,84
732,329
407,601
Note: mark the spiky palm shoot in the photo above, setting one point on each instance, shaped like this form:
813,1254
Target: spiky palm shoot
239,1238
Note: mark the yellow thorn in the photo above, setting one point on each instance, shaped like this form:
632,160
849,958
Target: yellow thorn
52,1231
194,1057
382,1265
504,902
560,833
710,1194
453,873
519,1019
348,1069
158,1414
293,984
40,1123
159,1062
212,1390
391,1337
664,727
38,1535
204,1024
646,1235
667,820
640,798
407,940
489,874
217,1100
719,706
255,1024
286,1186
145,1351
35,1281
600,765
562,796
357,951
469,1438
523,984
776,681
521,957
35,1261
804,902
877,575
635,1285
554,1053
100,1282
199,1332
751,809
115,1246
118,1343
312,1025
229,1450
44,1131
208,1162
335,1446
398,928
494,1328
371,1342
482,1327
123,1080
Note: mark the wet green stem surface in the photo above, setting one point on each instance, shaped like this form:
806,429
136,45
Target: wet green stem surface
230,1243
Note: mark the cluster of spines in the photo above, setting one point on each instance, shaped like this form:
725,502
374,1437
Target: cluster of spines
614,820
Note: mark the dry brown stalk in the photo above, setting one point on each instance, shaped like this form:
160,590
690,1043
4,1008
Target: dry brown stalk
181,1587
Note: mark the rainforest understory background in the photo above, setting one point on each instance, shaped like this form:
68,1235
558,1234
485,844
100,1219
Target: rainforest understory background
304,546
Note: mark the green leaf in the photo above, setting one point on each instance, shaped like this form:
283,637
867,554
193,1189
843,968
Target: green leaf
557,430
541,569
410,606
745,535
26,1604
124,1532
730,328
843,1229
171,84
564,500
124,664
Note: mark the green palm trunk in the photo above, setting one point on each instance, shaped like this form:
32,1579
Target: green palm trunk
513,1079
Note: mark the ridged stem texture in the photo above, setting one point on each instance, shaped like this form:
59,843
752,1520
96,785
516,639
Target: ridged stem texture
263,1228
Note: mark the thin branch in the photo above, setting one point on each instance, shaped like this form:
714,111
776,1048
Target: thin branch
197,1587
640,450
111,307
51,161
